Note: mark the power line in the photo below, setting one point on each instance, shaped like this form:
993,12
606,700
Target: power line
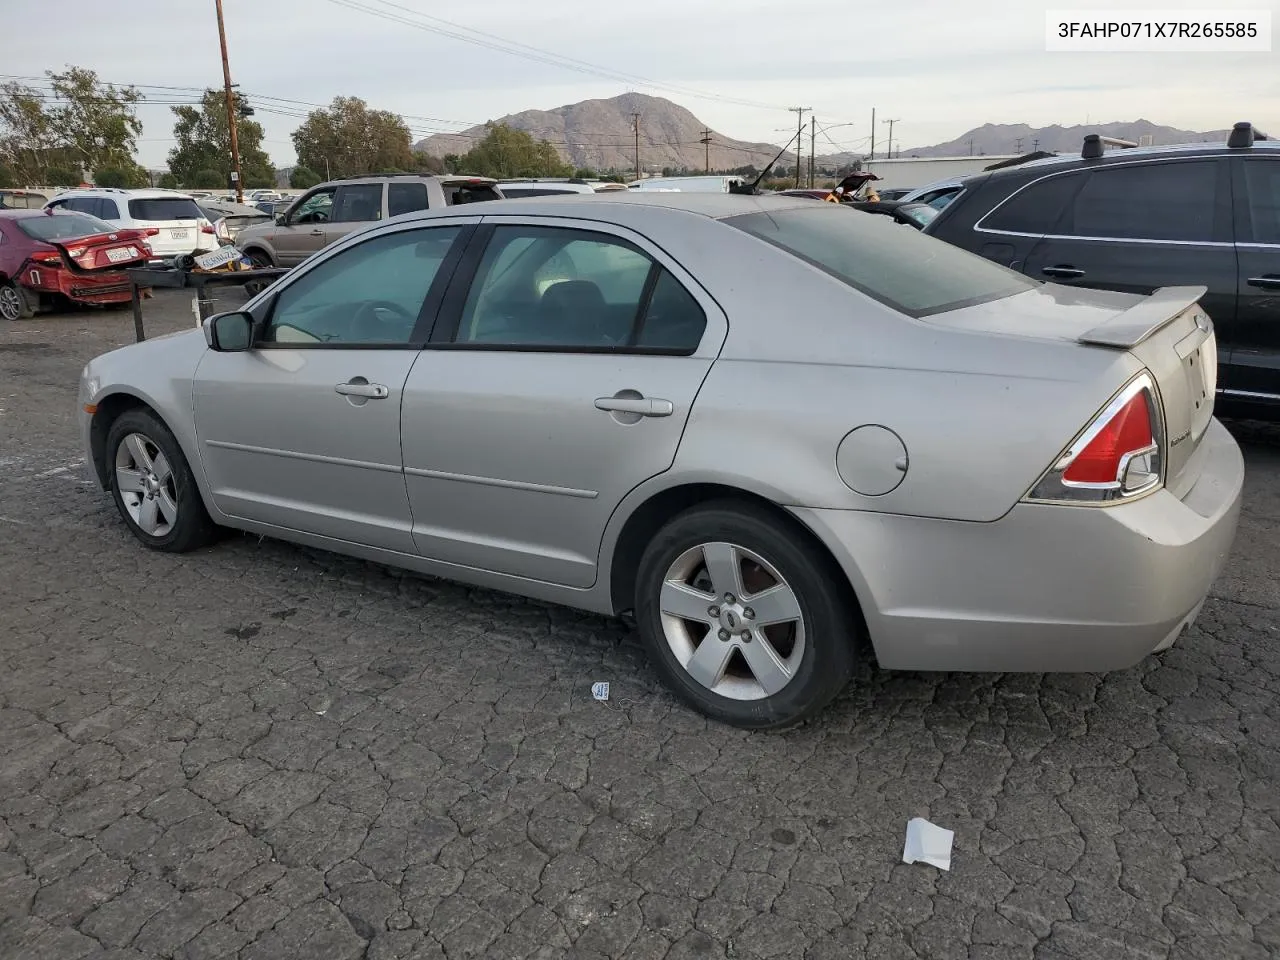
492,41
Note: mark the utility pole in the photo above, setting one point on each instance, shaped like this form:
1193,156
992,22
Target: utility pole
1035,144
799,112
889,154
873,134
1017,145
706,149
813,138
971,146
231,107
635,125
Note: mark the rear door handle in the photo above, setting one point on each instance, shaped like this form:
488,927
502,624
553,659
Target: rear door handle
1063,272
644,406
370,391
1266,283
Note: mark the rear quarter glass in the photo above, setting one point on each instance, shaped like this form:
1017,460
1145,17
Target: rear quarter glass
914,274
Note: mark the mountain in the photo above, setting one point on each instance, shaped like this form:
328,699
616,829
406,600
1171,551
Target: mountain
1007,138
599,134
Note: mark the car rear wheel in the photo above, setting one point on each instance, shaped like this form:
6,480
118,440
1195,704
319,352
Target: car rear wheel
153,486
14,304
746,621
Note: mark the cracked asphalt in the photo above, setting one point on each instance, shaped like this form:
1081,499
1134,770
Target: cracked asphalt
260,752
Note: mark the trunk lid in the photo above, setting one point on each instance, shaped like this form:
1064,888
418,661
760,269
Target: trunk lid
1167,332
105,251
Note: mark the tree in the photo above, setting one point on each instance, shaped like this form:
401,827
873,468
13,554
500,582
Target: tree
130,175
168,182
7,179
204,144
585,173
452,162
303,178
26,133
353,139
507,152
206,179
97,122
61,177
426,163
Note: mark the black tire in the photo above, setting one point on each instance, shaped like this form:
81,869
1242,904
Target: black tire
260,261
192,527
14,304
831,624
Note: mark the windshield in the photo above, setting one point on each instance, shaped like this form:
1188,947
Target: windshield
904,269
920,213
63,226
164,208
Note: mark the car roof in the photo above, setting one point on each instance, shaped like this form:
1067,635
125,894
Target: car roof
1122,154
715,206
141,193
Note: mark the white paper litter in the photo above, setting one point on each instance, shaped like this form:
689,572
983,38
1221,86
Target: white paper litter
928,843
600,690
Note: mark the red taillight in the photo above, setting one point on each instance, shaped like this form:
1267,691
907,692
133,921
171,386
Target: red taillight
51,256
1119,455
1128,432
207,229
153,231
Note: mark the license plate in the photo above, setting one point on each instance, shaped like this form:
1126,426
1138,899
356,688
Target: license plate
120,254
179,234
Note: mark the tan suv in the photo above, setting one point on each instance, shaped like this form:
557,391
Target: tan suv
332,210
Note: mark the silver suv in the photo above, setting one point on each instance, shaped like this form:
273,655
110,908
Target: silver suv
332,210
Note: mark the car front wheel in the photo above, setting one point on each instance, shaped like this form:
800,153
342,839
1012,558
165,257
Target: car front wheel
748,622
153,486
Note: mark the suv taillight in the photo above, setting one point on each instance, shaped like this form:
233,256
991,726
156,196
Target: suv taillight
1120,454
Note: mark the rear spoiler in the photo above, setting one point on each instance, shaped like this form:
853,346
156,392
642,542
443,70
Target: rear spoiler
1130,327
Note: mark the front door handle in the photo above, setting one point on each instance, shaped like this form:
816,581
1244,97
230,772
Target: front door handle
370,391
1063,272
1269,282
641,406
317,233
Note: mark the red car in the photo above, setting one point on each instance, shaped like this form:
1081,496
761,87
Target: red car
47,256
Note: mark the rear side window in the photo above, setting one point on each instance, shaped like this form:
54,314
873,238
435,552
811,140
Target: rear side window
1262,180
358,203
1147,201
899,266
469,193
406,198
163,208
1035,208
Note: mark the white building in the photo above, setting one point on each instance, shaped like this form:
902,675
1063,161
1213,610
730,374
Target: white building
918,171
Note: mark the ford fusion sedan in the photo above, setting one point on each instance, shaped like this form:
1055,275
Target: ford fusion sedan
785,435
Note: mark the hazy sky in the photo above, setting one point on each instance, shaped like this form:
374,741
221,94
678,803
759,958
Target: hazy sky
939,67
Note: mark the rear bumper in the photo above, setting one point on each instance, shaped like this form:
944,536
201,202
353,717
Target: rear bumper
1045,588
98,288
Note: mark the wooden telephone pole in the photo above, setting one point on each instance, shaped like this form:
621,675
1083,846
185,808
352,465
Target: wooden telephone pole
231,107
813,139
635,125
706,149
799,112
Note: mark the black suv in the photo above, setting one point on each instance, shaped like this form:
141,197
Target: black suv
1139,218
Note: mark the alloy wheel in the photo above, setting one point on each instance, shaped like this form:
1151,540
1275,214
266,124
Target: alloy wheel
147,485
732,621
10,303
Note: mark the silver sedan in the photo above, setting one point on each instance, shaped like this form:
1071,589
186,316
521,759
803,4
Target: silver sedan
783,434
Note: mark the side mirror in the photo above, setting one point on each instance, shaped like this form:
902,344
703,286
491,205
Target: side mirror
229,332
281,220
